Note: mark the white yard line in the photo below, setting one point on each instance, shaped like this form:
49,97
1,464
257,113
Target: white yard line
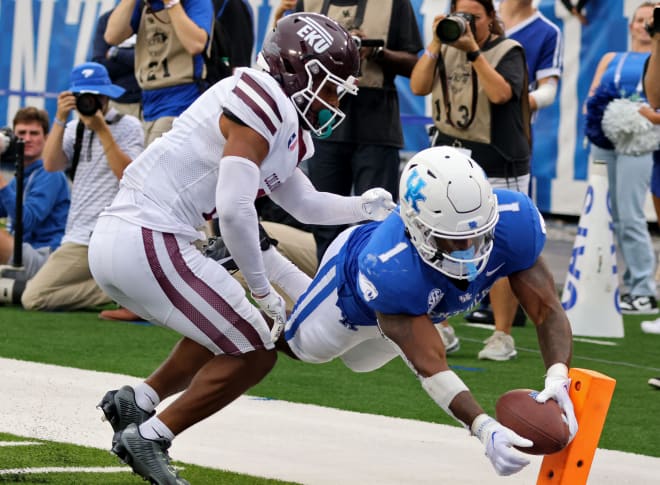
289,441
65,469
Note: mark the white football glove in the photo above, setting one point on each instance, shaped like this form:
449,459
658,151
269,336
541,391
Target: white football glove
499,441
376,204
273,305
557,385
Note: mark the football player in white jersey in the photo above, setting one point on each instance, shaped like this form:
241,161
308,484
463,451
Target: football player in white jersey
383,287
243,138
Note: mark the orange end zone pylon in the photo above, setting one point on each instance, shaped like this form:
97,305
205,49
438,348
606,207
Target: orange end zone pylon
591,393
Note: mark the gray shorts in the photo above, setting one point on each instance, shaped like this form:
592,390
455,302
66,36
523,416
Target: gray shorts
33,259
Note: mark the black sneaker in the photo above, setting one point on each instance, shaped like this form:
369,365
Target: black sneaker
120,410
654,382
638,305
215,249
148,458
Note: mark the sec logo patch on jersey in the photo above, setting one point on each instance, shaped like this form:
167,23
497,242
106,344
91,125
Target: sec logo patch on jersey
367,288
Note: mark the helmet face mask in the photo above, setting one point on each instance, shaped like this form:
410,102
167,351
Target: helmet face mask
306,53
449,211
310,100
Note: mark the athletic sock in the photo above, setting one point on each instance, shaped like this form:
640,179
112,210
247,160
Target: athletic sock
146,397
153,429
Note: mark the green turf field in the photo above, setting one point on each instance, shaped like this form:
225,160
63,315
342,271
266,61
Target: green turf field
81,340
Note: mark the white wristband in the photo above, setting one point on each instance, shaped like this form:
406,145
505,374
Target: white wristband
545,94
172,3
443,387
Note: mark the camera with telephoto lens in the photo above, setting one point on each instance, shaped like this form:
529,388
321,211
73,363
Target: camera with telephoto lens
8,145
87,103
452,27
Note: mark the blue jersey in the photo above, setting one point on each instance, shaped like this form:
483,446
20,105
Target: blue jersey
544,52
379,270
623,76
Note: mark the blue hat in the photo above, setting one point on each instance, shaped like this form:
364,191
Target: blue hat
92,77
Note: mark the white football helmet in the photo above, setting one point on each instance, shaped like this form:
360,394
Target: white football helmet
449,210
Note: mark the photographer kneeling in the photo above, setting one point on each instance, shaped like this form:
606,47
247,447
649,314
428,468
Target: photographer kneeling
45,195
95,150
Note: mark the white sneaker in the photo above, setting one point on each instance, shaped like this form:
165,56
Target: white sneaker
449,338
655,382
651,327
499,346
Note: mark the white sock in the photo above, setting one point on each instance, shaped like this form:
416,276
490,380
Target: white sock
153,429
285,274
145,397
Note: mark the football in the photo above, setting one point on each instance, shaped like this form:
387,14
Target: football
541,423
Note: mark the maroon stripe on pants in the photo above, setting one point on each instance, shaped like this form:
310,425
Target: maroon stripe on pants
181,303
218,303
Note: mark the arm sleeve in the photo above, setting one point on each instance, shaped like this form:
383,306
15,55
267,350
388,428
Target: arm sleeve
238,183
299,198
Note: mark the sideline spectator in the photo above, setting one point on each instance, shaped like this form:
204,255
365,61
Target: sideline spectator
120,62
619,76
243,138
480,100
364,151
542,42
169,63
97,148
46,197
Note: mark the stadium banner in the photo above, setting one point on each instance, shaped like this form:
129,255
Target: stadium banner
44,39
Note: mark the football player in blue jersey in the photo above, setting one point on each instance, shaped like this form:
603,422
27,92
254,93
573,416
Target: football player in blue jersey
382,287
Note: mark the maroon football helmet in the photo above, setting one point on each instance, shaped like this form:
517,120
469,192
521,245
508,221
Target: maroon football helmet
304,52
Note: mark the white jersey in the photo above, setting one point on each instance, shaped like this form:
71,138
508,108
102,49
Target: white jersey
171,186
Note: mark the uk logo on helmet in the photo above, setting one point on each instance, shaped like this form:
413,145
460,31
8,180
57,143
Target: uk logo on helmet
314,35
413,194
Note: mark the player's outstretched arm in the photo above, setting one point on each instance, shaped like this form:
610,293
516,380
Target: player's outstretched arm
421,346
535,289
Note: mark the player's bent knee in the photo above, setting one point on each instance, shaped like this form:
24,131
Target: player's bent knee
33,300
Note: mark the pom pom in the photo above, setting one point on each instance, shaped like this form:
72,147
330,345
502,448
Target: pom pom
629,131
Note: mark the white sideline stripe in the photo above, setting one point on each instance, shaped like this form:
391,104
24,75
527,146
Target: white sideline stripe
594,341
302,443
485,326
66,469
19,443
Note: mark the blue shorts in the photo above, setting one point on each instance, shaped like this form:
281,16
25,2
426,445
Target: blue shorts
655,175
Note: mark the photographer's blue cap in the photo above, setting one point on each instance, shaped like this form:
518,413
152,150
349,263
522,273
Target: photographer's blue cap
92,77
